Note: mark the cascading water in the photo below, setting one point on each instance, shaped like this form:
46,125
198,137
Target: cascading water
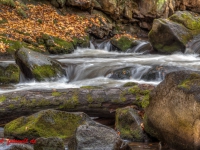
100,67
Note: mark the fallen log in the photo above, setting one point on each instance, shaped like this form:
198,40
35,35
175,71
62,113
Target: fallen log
94,102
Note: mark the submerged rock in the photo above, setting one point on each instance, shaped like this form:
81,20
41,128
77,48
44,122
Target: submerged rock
158,73
173,113
96,137
47,123
9,73
38,66
128,123
51,143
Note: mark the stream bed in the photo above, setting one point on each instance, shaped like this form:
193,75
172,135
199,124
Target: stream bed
95,67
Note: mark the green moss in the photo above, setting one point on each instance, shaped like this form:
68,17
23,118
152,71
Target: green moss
16,98
8,3
44,124
21,12
187,19
11,106
44,71
71,102
142,96
58,46
145,101
2,98
128,84
192,80
89,99
90,87
123,43
56,93
81,42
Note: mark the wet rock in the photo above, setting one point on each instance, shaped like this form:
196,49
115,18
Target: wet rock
170,35
37,66
129,124
118,74
51,143
193,46
20,147
47,123
96,138
172,115
9,73
158,73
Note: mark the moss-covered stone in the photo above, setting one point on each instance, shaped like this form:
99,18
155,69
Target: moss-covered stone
188,19
83,42
193,79
56,45
48,123
9,73
56,93
128,84
42,72
128,124
2,98
37,66
91,87
123,43
142,96
71,102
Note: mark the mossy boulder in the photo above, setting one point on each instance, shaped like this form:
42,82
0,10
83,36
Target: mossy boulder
173,112
173,34
9,73
55,45
167,36
122,43
188,19
128,123
47,123
37,66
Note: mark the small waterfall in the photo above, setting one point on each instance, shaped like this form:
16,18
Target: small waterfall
141,47
193,46
139,71
100,44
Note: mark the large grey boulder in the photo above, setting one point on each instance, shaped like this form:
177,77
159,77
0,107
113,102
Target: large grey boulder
173,113
96,137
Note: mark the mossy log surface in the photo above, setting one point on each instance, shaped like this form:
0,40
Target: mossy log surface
94,102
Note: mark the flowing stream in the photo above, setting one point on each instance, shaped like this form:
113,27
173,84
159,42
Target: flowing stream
95,67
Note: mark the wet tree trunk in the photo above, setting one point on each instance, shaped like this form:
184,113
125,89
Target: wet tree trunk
94,102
